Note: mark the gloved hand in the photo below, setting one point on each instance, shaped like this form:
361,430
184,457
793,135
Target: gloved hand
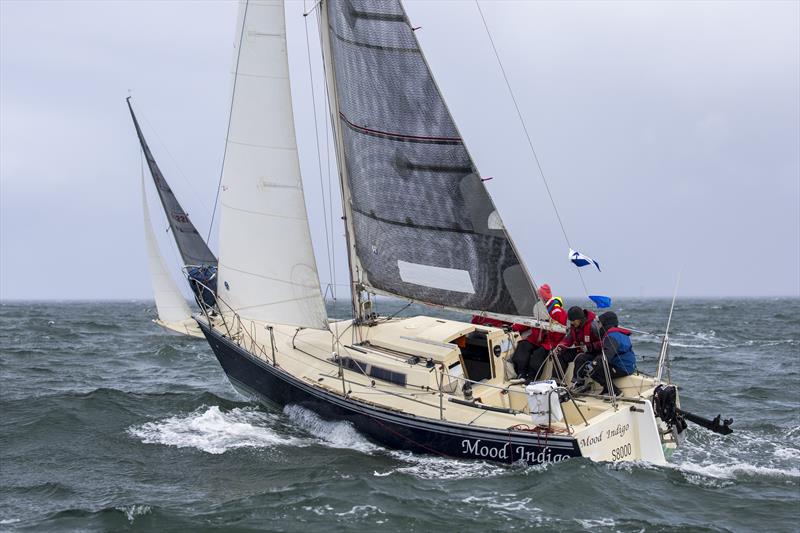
557,350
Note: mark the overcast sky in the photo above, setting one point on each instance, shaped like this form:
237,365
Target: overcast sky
669,134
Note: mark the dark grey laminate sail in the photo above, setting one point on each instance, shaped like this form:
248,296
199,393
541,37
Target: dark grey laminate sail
423,225
193,249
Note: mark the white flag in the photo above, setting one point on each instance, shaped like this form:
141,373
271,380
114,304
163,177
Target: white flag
581,260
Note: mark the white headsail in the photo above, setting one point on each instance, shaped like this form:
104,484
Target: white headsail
267,269
171,305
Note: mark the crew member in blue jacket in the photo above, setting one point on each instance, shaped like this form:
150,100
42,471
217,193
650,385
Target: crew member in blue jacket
618,350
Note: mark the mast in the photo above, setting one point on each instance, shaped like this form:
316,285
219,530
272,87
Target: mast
341,164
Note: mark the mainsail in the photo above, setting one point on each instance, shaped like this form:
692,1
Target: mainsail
421,224
193,249
267,269
171,305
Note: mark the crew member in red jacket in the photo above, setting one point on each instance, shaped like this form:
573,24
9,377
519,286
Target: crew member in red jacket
531,352
583,341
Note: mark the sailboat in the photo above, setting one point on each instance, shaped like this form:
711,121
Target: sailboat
199,262
420,226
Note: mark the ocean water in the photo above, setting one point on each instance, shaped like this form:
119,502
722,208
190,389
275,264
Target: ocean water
107,423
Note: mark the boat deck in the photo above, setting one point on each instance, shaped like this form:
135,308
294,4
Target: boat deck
405,365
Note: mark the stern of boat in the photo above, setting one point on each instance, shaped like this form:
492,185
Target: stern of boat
629,433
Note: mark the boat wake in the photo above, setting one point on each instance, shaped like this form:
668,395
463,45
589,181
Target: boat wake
212,430
745,455
443,468
343,435
340,435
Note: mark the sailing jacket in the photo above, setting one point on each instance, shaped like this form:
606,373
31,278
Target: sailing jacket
549,339
586,336
619,350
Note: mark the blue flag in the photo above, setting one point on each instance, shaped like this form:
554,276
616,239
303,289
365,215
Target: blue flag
581,260
600,301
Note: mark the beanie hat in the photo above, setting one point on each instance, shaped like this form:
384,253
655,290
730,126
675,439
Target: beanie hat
609,319
545,292
575,313
554,302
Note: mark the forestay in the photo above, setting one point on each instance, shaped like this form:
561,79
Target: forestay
422,224
171,304
267,268
193,249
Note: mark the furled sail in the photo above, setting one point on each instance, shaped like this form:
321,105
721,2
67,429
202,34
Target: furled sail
193,249
267,269
171,305
421,222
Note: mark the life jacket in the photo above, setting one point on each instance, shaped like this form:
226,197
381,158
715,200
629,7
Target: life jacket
543,337
587,334
624,358
557,314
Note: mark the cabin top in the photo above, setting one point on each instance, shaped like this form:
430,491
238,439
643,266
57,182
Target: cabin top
429,337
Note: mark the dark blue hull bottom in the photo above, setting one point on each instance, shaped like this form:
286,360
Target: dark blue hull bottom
259,379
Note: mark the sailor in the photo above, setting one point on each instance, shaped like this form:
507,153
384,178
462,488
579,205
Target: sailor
582,344
531,354
618,350
555,308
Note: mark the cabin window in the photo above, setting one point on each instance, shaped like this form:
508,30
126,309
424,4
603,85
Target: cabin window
376,372
387,375
475,355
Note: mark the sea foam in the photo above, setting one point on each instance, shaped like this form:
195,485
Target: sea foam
213,431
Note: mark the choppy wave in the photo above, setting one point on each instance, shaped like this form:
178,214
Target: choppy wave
112,425
443,468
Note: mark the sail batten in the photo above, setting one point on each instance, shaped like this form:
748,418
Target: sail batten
267,269
421,223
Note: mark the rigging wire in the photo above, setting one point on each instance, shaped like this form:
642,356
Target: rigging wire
328,238
230,119
528,137
328,135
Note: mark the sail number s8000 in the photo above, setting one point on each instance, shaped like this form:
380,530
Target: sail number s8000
623,451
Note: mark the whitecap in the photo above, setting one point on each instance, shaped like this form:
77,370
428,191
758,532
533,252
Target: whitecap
598,522
505,502
362,511
730,470
132,511
213,431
